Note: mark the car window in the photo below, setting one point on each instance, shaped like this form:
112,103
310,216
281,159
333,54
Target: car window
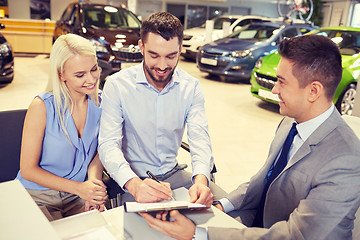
66,14
218,22
289,33
304,30
243,22
348,41
248,21
254,32
109,17
73,16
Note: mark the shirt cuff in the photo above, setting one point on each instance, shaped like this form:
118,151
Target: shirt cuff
200,233
203,172
227,205
123,175
193,179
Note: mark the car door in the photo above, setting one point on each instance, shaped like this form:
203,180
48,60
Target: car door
67,21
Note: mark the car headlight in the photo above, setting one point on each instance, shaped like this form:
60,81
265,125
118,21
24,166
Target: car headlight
241,53
99,47
200,38
5,48
258,62
187,37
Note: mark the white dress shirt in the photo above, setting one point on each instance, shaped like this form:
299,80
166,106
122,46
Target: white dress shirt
141,128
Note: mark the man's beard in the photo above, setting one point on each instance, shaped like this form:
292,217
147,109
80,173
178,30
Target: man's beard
164,80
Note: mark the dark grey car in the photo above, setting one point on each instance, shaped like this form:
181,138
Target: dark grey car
114,32
6,60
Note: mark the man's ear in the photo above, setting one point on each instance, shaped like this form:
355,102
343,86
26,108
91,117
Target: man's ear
141,46
316,90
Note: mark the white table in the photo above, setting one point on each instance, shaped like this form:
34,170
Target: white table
21,218
133,226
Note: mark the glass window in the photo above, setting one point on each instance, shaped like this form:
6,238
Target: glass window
248,21
217,11
356,16
289,33
348,41
254,32
218,22
196,15
67,13
109,17
304,30
74,16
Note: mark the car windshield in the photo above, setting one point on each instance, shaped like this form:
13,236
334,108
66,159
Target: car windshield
254,32
218,22
348,41
109,17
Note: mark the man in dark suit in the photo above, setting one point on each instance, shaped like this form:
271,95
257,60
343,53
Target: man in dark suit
309,187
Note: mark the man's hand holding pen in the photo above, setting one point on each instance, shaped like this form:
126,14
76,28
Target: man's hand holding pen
148,190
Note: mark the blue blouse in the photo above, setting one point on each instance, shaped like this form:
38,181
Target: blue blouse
58,155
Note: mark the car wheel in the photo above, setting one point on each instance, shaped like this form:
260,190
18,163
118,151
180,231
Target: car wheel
222,79
346,101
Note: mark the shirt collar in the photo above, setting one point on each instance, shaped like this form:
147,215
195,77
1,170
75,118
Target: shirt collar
141,78
305,129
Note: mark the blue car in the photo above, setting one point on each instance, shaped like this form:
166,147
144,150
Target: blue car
233,57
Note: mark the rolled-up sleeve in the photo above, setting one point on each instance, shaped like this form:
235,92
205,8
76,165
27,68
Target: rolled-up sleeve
111,135
198,135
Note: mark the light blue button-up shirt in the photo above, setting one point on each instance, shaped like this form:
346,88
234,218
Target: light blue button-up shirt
141,128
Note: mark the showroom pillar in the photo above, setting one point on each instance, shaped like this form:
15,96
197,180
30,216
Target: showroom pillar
19,9
209,27
132,6
356,109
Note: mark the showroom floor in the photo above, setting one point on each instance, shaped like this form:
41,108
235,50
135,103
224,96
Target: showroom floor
241,126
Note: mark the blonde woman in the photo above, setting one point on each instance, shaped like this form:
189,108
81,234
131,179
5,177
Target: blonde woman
59,163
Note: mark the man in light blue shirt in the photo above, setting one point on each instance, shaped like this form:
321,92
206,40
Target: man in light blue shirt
309,186
144,112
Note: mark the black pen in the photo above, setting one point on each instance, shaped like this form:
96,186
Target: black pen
152,176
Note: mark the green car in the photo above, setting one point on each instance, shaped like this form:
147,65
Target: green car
263,77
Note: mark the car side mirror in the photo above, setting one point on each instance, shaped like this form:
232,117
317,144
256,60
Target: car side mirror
2,26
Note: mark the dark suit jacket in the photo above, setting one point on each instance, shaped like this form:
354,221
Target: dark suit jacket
316,195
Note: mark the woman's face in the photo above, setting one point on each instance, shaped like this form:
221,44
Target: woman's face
81,74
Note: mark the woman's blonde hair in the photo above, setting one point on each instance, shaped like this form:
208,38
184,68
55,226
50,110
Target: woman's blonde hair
65,47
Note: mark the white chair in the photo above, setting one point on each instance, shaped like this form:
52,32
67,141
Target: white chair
354,123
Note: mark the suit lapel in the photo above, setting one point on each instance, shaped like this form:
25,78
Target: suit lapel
257,182
315,138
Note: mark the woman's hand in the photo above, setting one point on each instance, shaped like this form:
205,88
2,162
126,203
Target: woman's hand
93,191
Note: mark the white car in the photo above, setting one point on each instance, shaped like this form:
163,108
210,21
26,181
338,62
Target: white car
196,37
